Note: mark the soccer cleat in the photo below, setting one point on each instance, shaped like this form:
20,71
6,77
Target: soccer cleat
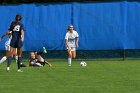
44,50
19,70
8,69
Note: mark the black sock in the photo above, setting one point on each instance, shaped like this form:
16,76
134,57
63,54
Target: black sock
19,62
9,61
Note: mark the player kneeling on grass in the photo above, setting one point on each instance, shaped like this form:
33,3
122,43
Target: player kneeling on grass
36,60
71,43
33,61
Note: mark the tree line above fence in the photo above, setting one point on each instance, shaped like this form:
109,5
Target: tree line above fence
54,1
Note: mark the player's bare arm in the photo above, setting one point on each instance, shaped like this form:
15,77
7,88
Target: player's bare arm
22,35
7,33
77,39
67,44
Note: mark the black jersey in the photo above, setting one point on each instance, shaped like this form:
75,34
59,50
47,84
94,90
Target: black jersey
16,29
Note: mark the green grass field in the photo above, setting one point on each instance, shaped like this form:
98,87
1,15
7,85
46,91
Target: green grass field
97,77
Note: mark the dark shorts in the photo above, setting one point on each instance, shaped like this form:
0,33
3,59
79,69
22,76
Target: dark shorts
16,43
34,65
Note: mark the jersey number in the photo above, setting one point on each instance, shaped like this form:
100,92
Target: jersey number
17,28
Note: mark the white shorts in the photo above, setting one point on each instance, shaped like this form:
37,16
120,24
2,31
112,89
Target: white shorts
7,45
73,49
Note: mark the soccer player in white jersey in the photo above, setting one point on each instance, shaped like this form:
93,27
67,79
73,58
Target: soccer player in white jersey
71,38
7,46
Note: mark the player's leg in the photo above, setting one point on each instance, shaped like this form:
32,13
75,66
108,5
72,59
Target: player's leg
7,48
16,57
50,65
15,54
69,57
7,53
19,52
5,57
74,54
10,58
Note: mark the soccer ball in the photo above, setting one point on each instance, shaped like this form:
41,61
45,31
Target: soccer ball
83,64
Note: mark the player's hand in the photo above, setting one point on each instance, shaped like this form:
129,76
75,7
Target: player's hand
0,39
8,33
22,39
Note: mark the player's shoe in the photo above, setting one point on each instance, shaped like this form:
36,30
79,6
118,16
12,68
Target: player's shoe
44,50
8,69
19,70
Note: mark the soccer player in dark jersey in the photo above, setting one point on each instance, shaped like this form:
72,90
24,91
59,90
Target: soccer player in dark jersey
17,29
33,61
7,48
41,60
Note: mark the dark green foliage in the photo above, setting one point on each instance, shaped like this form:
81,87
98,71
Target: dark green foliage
54,1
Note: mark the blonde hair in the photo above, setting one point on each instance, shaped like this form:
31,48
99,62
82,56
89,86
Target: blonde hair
32,53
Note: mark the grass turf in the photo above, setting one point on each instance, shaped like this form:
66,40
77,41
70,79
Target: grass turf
97,77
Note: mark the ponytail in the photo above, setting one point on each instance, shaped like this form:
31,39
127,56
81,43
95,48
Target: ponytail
17,20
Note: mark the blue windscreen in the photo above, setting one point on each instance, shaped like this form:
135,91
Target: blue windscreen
100,25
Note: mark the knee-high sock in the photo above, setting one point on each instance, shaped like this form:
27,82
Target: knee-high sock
19,62
9,61
3,59
69,61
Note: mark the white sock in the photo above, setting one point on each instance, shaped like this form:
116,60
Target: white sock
16,57
38,64
3,59
69,61
8,68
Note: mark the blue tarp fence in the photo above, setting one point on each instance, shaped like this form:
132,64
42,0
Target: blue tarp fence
101,25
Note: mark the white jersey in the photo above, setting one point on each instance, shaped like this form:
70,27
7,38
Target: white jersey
71,37
7,43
